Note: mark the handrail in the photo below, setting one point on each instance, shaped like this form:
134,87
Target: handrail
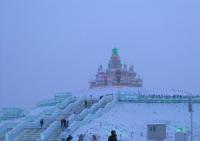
5,126
64,103
44,135
87,114
10,136
68,108
156,99
99,111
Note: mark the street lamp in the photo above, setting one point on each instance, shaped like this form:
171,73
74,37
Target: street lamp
190,109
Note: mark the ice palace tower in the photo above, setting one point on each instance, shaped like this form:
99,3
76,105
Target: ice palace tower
116,74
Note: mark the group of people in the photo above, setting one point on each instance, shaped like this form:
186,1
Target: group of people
112,137
64,123
83,137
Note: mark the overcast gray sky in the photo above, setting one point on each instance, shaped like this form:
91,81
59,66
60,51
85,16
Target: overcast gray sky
49,46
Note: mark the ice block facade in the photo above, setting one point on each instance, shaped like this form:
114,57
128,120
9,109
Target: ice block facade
116,74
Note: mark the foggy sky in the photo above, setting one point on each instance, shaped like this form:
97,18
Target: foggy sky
49,46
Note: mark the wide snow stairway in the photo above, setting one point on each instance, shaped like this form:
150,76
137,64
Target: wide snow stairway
31,134
29,128
55,135
54,131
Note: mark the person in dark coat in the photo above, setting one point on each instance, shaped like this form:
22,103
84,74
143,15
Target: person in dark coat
41,122
113,136
62,122
69,138
65,123
85,103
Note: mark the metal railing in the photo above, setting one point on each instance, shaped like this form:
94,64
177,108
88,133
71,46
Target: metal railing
157,99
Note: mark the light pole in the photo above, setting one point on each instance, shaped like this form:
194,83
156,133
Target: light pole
190,109
191,116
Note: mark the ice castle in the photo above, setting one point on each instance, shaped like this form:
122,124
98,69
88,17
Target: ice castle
116,74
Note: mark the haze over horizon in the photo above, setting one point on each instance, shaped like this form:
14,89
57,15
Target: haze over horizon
53,46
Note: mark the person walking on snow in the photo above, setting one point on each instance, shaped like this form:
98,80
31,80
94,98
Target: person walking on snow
85,103
41,122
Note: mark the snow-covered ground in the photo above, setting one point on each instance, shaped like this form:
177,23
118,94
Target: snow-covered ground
131,118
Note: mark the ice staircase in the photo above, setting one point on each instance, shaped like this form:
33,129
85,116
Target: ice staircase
54,131
32,133
30,130
54,136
